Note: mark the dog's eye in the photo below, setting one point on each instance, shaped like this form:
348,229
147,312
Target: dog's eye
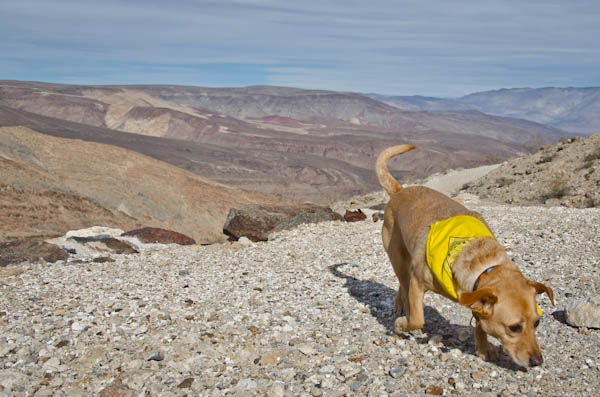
536,323
515,328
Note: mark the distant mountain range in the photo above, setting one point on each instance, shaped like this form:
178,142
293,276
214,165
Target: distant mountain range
576,110
307,144
180,157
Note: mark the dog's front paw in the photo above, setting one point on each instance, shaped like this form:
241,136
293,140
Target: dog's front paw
401,324
489,353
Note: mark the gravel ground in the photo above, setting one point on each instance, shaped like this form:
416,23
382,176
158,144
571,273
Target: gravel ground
309,313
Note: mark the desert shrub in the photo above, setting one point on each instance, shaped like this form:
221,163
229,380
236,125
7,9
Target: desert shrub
546,159
503,181
491,159
558,186
535,143
592,156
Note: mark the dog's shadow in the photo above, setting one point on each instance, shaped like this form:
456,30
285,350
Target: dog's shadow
377,298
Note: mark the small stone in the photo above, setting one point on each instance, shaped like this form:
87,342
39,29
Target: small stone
103,259
141,330
270,357
477,375
354,386
155,357
307,349
186,383
435,339
456,353
277,389
134,364
52,364
464,334
327,369
245,241
116,390
56,382
348,371
246,384
397,372
77,326
435,390
11,379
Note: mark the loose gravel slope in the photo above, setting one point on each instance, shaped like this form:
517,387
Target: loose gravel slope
309,313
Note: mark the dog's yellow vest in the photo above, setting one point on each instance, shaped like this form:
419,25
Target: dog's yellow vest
446,239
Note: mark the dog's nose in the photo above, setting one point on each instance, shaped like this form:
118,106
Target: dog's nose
535,360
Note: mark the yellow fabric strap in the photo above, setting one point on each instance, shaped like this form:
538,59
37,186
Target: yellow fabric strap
445,241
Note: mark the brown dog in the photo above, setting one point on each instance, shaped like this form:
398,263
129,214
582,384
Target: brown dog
481,277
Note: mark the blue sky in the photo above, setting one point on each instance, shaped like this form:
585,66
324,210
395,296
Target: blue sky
438,48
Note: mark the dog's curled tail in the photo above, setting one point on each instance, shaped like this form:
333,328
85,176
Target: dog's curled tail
383,173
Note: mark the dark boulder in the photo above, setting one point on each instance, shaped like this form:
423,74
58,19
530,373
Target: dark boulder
151,235
106,244
30,250
256,221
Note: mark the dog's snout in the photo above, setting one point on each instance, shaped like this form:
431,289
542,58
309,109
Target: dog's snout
535,360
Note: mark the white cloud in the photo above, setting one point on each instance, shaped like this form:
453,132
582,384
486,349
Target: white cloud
440,47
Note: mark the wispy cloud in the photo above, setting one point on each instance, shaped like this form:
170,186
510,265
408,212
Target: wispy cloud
439,47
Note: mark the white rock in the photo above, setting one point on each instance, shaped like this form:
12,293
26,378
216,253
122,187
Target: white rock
10,379
140,330
307,349
245,241
52,364
95,231
584,313
277,389
77,326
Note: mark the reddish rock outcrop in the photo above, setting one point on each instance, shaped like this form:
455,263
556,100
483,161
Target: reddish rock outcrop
151,235
354,216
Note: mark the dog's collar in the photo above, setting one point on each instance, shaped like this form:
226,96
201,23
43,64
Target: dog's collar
486,271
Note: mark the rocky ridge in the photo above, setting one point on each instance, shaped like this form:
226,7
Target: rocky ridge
308,313
565,174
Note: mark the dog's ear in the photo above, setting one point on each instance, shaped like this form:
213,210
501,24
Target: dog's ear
481,301
539,288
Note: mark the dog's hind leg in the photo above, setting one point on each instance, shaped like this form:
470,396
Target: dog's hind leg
414,318
400,259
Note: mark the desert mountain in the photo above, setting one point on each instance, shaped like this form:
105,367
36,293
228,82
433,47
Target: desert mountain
306,144
206,114
575,110
50,185
284,172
